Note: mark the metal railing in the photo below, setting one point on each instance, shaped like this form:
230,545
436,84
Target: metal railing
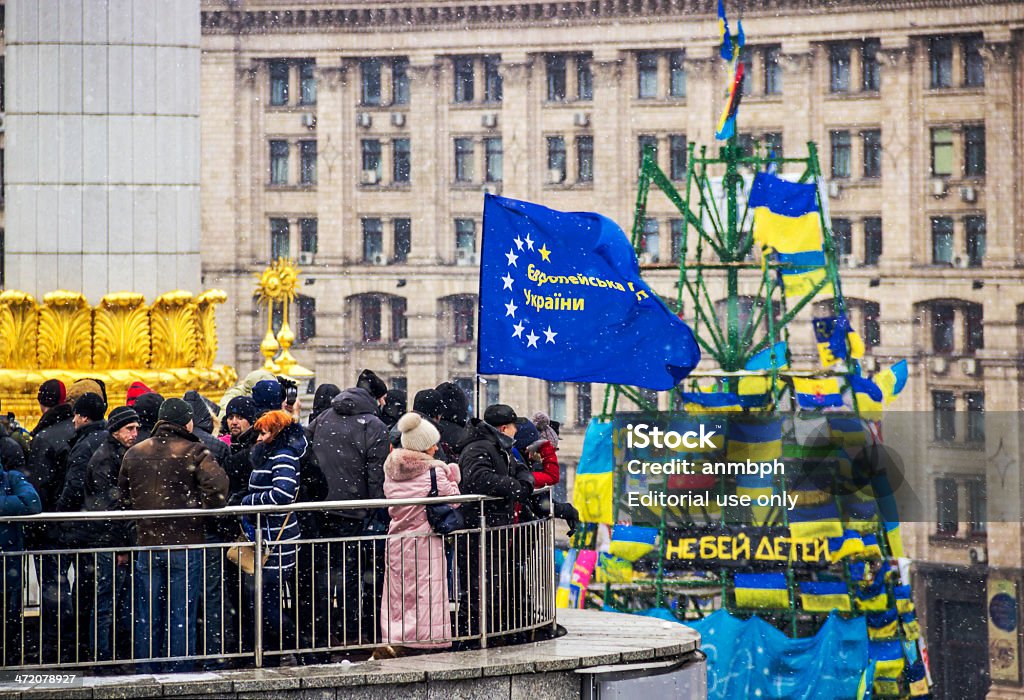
178,607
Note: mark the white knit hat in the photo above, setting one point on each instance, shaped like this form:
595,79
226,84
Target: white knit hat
418,434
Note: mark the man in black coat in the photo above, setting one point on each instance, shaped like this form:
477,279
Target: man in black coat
454,405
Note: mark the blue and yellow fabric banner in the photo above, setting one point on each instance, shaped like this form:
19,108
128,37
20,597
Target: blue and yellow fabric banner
556,285
595,476
761,590
786,215
824,596
752,659
632,542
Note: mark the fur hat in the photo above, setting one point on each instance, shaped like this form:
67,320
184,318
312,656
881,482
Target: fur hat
372,383
120,417
274,422
175,411
91,406
418,434
52,393
136,390
499,414
85,386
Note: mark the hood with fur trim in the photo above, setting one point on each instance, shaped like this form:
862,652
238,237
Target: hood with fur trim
403,465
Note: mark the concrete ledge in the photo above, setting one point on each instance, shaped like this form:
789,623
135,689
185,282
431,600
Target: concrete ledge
522,672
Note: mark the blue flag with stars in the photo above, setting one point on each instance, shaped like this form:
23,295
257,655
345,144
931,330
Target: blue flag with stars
561,299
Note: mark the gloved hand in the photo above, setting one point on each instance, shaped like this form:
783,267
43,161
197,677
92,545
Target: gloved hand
568,513
236,498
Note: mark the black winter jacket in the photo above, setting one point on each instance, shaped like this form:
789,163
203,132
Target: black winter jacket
351,444
46,468
83,446
488,468
102,493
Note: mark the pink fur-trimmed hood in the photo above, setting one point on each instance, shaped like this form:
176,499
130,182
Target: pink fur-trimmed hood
403,465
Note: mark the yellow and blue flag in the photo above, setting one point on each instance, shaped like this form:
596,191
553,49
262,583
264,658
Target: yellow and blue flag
888,657
865,690
595,476
817,393
632,541
881,625
836,340
554,285
761,590
802,274
724,38
824,596
847,546
756,441
785,214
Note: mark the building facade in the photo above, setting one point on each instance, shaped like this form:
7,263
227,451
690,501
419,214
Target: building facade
359,138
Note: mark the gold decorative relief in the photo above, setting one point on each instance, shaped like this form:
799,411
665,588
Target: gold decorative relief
65,331
206,326
172,322
121,332
19,325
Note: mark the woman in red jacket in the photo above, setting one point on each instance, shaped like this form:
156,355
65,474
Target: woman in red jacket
538,453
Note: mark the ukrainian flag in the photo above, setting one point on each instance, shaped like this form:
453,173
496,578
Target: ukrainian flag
757,442
631,542
865,689
761,590
848,546
613,569
903,602
772,357
847,432
881,625
872,597
888,657
824,596
803,273
871,548
817,393
911,628
785,214
595,476
810,522
892,380
860,513
720,401
917,679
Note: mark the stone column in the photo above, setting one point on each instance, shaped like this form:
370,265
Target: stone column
1001,168
703,98
798,78
103,147
611,137
517,116
433,234
902,161
331,192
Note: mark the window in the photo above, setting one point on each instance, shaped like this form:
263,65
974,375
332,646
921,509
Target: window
401,160
308,237
463,160
940,61
942,152
870,72
872,325
403,239
643,143
492,391
747,58
872,141
399,324
493,85
279,247
839,68
556,77
373,241
307,162
3,91
773,144
943,404
974,151
400,81
840,153
370,84
975,416
556,159
584,404
677,156
556,401
974,228
307,83
974,64
650,242
371,158
872,240
463,70
943,316
584,77
676,74
584,159
772,71
305,317
370,318
745,145
463,317
647,75
675,227
977,510
842,236
946,507
278,83
493,159
942,240
278,162
974,328
467,385
465,241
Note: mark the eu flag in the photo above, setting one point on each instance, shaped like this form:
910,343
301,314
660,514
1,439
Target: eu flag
561,299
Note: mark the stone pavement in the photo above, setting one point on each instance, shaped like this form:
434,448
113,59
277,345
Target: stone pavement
544,669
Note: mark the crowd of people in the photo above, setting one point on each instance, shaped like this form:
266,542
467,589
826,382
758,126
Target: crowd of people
176,588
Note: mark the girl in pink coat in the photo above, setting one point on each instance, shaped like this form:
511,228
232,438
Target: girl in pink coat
414,607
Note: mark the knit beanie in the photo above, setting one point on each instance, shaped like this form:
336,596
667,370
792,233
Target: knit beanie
175,411
120,417
428,402
267,395
52,393
136,390
372,383
91,406
243,407
325,393
394,406
526,435
418,434
148,408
